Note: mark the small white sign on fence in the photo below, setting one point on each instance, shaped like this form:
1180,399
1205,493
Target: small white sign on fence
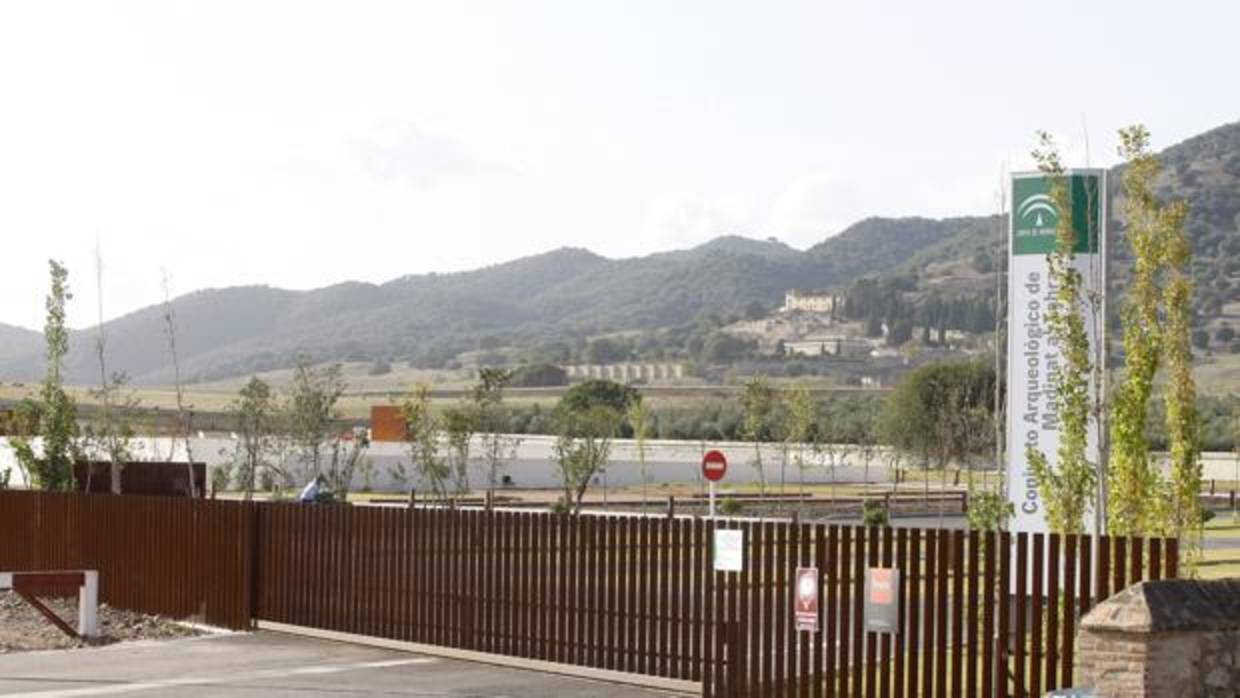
729,550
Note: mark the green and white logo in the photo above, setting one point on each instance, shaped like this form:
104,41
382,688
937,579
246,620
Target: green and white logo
1036,216
1038,211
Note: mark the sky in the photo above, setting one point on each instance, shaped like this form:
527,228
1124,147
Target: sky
299,144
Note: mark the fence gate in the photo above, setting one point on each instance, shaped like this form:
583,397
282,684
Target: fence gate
980,616
986,615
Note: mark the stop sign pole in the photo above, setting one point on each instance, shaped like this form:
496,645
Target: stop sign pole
714,465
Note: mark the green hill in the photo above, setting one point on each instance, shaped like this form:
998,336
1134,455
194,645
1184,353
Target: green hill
17,342
563,297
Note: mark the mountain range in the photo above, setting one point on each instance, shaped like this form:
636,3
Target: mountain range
574,293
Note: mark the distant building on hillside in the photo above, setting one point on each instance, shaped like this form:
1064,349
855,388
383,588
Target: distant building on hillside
808,301
627,372
829,346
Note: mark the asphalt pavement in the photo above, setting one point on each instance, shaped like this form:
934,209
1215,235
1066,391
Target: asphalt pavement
272,664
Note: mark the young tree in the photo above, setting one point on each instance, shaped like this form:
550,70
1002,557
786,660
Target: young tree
55,413
1180,398
1069,487
583,446
639,421
497,447
863,429
311,413
111,436
185,414
113,432
758,404
1133,481
254,411
348,451
459,423
425,432
831,452
801,418
1235,455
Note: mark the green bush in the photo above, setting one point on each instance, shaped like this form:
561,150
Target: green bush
221,477
730,507
874,513
989,511
538,376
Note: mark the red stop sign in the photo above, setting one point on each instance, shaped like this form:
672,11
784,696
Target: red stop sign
714,465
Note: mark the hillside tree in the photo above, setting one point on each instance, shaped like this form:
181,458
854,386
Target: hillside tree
599,393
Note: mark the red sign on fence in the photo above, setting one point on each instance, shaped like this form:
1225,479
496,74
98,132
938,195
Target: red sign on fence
805,610
882,600
714,465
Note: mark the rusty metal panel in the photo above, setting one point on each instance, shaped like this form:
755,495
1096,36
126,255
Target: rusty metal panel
387,423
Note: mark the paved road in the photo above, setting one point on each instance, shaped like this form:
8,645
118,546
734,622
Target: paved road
269,664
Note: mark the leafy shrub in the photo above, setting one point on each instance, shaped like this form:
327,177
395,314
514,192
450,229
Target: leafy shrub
538,376
221,477
873,513
989,511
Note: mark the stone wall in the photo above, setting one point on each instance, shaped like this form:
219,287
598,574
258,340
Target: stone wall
1160,639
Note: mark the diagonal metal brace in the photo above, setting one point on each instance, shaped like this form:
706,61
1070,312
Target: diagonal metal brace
48,613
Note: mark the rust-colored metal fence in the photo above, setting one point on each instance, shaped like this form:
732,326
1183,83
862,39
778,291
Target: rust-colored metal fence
988,615
164,555
985,615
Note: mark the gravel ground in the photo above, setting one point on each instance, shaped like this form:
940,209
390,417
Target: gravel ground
24,628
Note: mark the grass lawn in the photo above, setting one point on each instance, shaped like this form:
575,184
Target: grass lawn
1216,564
1223,525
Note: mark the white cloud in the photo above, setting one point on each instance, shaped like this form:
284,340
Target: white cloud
680,219
812,207
289,143
414,154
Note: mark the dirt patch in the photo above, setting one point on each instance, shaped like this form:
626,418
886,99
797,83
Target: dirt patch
24,628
